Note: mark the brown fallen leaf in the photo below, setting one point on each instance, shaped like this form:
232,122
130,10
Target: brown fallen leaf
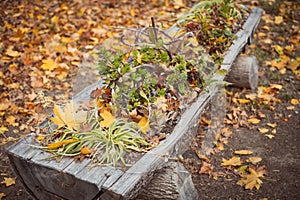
206,168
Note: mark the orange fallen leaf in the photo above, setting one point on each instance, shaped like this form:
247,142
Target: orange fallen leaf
205,121
294,101
56,145
85,150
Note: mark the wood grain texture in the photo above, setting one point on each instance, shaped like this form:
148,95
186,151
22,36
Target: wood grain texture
244,72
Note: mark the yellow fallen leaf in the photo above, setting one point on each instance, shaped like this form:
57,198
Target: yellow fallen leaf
253,121
269,136
249,181
263,130
11,120
278,19
10,52
243,152
3,129
49,64
40,137
234,161
272,125
69,117
254,160
9,181
108,119
294,101
273,131
243,101
278,49
144,124
276,86
252,97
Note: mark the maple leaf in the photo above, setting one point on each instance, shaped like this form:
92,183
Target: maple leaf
234,161
144,124
249,181
48,64
108,119
9,181
69,117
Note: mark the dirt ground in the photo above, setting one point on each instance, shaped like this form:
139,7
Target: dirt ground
280,154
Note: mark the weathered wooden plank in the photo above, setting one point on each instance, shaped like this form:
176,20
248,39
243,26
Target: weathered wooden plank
247,31
141,173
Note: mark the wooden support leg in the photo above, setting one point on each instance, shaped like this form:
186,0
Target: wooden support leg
171,182
244,72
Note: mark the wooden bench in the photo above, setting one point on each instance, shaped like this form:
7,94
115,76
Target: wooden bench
156,175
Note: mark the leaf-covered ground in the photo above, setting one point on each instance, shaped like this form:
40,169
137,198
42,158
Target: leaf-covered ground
43,43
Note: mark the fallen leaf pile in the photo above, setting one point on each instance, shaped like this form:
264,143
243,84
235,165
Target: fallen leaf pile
44,44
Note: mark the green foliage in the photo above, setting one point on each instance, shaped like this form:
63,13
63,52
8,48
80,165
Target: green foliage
136,80
213,23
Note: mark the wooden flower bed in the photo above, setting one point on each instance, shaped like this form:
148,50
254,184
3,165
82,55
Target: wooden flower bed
156,173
